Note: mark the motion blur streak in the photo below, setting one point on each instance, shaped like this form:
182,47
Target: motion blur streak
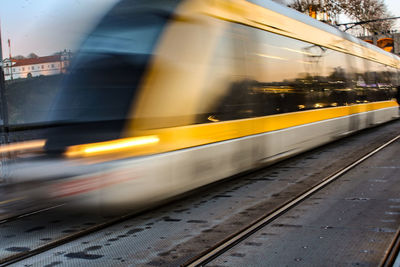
11,200
23,146
110,146
273,57
166,96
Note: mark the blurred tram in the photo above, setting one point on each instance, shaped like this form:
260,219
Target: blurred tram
166,96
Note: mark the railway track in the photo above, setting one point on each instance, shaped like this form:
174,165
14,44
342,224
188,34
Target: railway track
249,230
62,240
197,258
28,213
390,258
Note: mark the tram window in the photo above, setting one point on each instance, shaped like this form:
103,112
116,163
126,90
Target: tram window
362,91
394,76
281,75
120,47
380,84
284,69
250,73
391,77
294,75
226,95
336,76
380,75
386,76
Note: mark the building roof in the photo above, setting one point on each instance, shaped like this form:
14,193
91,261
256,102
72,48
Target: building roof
33,61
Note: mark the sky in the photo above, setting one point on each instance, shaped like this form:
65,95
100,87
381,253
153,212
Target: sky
394,8
45,27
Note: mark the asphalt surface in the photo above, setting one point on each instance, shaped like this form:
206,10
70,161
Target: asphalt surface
174,233
349,223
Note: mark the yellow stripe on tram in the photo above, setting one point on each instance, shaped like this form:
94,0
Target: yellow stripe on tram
174,138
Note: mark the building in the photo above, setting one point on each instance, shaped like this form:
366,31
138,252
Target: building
34,67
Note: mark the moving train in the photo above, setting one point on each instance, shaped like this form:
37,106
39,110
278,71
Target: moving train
166,96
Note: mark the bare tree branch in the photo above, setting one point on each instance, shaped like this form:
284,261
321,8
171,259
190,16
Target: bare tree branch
359,10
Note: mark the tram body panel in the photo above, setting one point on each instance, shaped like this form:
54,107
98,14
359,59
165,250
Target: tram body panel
154,178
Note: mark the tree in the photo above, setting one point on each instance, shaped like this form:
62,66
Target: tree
358,10
332,8
364,10
19,57
32,55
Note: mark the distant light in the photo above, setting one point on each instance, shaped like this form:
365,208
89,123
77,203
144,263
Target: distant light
318,105
23,146
118,145
301,106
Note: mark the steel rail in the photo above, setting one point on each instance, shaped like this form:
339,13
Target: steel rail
65,239
28,213
392,252
249,230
